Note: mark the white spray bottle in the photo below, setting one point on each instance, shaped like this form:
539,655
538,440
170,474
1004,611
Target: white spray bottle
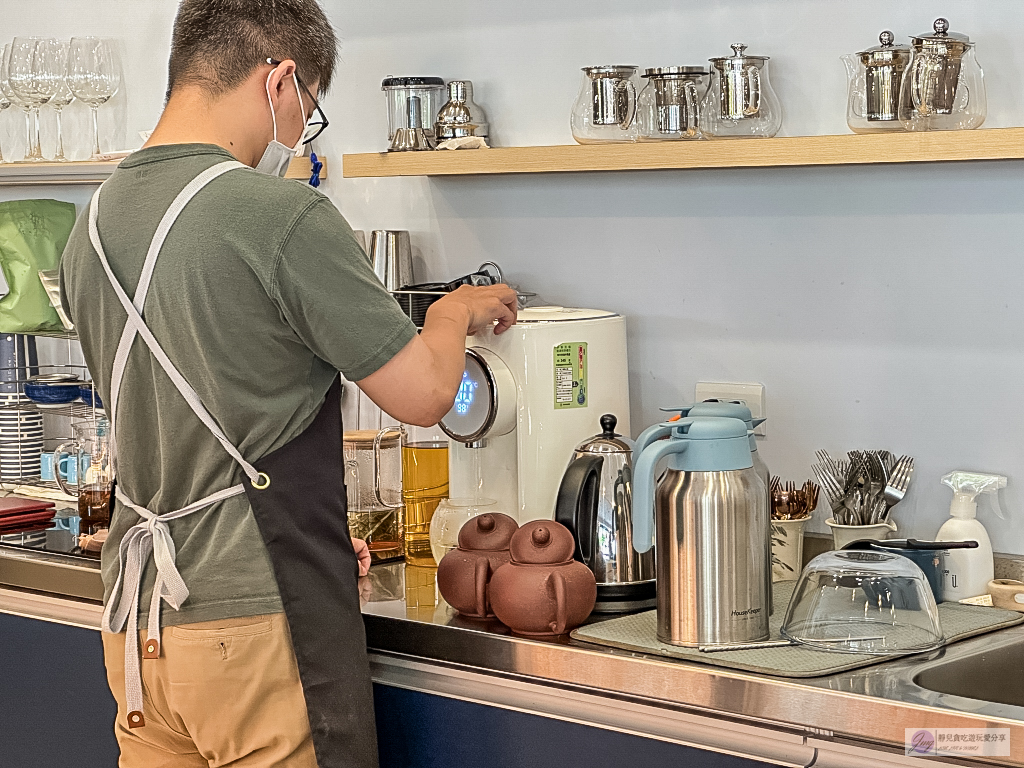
968,571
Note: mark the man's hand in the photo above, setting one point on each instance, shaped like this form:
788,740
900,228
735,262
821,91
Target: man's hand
419,384
362,555
483,306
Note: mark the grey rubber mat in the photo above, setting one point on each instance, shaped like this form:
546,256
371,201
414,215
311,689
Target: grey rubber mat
638,632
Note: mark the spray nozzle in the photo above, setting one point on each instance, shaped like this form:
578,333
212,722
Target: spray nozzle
967,485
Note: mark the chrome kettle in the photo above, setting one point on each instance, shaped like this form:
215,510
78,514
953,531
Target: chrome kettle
712,522
595,502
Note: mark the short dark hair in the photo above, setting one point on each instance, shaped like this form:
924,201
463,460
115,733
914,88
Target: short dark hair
217,44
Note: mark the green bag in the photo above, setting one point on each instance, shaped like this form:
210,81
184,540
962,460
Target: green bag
33,234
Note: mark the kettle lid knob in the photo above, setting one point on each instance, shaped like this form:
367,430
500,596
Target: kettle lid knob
486,523
941,26
887,38
608,422
541,537
739,48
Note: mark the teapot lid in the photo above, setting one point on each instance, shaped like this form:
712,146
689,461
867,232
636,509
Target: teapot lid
887,47
942,34
617,70
609,441
542,542
738,55
490,532
674,73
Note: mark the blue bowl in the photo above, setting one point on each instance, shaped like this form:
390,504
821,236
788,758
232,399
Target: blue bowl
86,394
53,394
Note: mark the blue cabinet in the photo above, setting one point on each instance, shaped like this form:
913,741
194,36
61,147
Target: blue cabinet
56,710
418,730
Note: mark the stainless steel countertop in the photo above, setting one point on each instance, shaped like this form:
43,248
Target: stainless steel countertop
874,705
410,627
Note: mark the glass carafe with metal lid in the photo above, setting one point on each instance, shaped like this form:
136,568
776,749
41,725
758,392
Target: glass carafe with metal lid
943,87
740,102
712,520
605,109
876,74
669,104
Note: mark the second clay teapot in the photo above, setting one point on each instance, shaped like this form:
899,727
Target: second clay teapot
464,574
543,591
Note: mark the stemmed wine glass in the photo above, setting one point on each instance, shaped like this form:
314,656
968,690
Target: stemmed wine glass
93,75
28,79
13,98
5,103
53,65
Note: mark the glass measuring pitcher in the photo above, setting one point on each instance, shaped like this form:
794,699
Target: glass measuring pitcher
373,483
90,450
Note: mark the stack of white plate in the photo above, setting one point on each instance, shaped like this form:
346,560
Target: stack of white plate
21,439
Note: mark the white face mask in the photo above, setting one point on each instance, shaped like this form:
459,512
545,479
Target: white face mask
277,157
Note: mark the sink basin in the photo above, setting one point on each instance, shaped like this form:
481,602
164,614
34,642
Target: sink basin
994,674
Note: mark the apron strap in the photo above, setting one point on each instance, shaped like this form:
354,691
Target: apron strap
152,534
135,325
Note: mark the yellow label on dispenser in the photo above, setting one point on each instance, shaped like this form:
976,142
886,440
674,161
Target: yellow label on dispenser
571,375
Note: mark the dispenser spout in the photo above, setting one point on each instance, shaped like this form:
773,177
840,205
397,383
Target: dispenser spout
966,488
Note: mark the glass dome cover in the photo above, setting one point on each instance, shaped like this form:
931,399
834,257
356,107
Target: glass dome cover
865,602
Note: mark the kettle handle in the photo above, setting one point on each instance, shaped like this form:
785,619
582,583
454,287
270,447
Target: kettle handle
643,490
576,503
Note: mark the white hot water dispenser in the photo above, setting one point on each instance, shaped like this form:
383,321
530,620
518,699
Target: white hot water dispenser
528,397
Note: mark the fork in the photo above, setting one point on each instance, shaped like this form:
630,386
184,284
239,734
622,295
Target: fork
898,483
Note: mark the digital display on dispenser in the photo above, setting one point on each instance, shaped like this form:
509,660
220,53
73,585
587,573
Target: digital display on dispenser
473,402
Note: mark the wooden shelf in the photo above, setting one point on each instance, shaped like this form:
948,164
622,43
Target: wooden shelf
96,172
850,149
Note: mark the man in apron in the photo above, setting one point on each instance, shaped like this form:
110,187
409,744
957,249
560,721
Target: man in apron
216,304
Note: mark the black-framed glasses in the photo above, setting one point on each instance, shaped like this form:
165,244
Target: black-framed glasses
313,127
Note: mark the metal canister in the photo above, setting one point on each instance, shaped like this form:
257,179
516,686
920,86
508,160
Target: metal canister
740,77
935,72
884,65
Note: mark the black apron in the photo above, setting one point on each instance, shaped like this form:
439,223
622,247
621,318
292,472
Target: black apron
302,517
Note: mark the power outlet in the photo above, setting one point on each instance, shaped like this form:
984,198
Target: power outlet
751,395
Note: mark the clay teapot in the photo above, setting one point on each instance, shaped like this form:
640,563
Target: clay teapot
543,590
464,574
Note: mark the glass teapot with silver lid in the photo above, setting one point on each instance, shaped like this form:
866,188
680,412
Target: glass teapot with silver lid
876,75
669,104
943,87
740,102
605,109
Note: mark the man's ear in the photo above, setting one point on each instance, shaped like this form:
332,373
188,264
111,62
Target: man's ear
281,78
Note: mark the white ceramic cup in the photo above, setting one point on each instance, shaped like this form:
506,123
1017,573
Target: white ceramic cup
844,534
788,549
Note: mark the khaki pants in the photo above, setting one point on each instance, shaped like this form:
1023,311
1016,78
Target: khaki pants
222,693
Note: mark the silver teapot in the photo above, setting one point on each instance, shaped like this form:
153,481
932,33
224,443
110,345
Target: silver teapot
595,502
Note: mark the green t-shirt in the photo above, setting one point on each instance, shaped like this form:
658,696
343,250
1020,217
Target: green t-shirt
260,297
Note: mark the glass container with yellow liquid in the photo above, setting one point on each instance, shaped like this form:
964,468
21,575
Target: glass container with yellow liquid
424,484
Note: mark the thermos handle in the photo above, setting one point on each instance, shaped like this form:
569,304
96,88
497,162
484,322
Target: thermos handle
576,503
561,602
481,572
651,435
643,490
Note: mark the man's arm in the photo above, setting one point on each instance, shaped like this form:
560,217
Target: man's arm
418,385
